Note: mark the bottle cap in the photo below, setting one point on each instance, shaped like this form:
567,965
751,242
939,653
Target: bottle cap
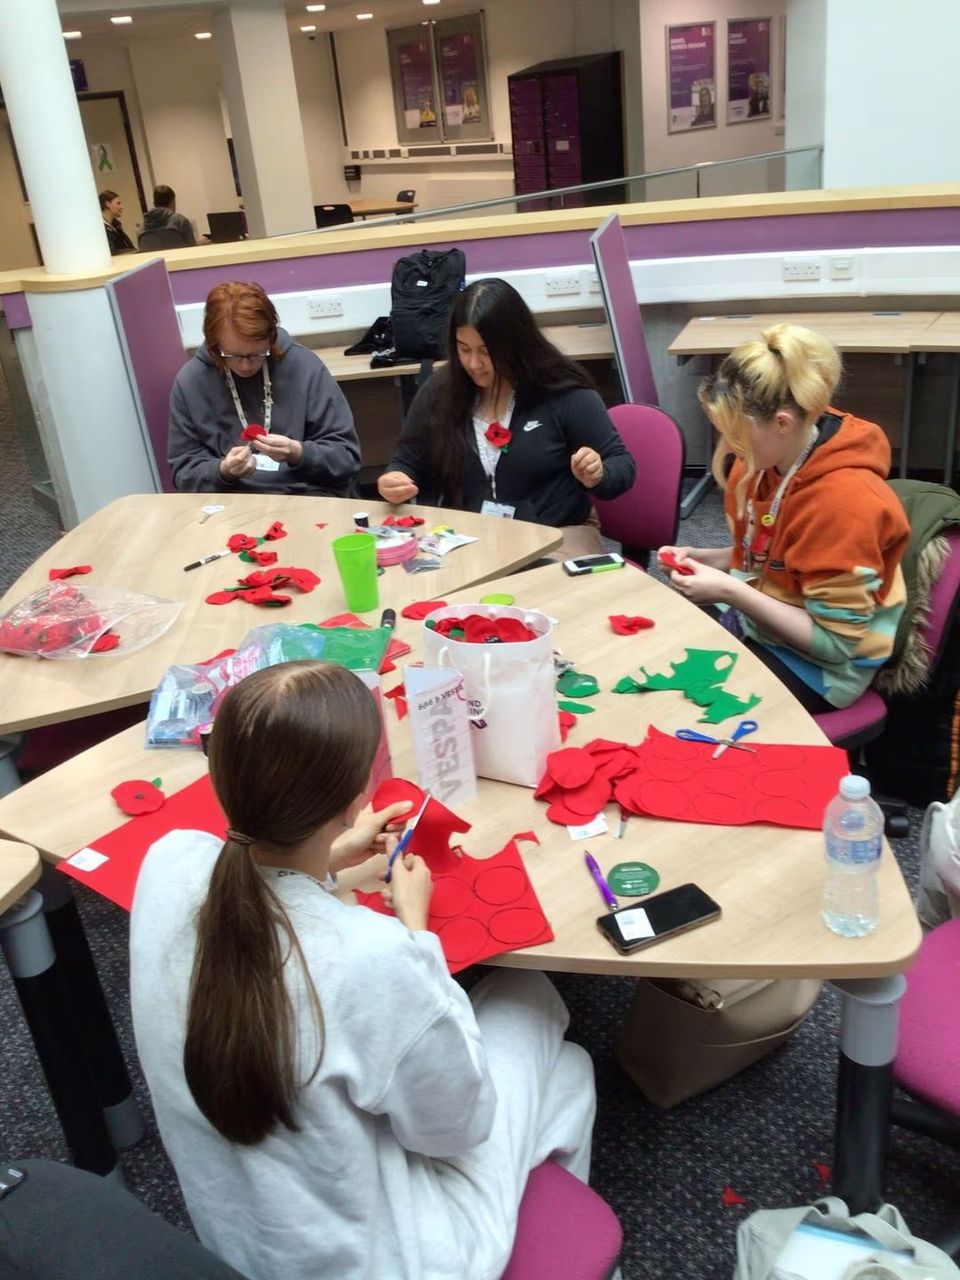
361,520
853,787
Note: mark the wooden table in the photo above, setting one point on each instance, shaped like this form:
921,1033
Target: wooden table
578,341
19,870
368,207
768,880
898,333
142,543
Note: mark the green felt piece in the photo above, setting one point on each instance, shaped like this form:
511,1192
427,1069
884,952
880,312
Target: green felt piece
724,704
628,685
498,597
455,634
577,684
577,708
430,624
633,879
701,669
157,783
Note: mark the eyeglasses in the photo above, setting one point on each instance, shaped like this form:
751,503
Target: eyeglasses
249,356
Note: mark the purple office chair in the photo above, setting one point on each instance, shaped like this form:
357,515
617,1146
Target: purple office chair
564,1230
647,515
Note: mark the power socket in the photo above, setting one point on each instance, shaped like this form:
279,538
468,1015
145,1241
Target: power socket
593,282
556,286
323,307
800,269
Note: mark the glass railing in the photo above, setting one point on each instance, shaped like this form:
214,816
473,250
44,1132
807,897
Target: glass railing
795,169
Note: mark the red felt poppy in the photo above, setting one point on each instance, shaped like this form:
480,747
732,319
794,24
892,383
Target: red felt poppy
479,630
303,579
625,625
498,435
55,574
264,596
547,788
588,799
564,817
241,542
571,766
567,721
403,522
106,640
137,796
422,608
670,560
513,631
253,431
259,557
275,531
223,597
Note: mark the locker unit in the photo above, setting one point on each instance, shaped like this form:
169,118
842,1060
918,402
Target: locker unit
566,117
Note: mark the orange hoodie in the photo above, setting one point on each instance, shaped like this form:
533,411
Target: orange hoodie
835,551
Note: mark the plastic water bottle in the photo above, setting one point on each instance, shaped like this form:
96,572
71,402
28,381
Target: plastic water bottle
853,832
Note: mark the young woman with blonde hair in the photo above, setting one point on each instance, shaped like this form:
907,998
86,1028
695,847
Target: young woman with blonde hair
333,1102
812,582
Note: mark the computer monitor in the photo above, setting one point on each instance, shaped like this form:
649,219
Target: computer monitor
623,314
226,226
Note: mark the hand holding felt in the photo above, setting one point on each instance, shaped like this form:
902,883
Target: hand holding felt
280,448
701,583
675,559
587,467
237,463
368,835
431,839
409,892
252,431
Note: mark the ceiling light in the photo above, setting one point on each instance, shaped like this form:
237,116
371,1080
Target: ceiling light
122,22
315,8
72,35
203,35
364,17
312,27
431,1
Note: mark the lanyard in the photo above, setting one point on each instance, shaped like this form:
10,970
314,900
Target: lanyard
267,399
756,542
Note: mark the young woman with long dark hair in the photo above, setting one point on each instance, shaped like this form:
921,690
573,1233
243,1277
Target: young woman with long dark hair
509,426
333,1102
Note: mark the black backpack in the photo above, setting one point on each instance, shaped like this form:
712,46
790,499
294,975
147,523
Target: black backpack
422,291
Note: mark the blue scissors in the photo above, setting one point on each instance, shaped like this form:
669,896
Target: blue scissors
741,731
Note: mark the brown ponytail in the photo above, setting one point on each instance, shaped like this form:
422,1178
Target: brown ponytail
291,749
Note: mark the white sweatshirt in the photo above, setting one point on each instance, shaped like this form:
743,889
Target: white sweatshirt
403,1078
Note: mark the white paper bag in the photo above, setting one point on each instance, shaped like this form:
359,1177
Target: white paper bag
511,693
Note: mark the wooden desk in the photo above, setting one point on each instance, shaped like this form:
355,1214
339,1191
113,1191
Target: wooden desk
578,341
142,542
768,880
367,207
19,869
944,336
897,333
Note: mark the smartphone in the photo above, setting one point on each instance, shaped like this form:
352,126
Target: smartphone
659,917
593,564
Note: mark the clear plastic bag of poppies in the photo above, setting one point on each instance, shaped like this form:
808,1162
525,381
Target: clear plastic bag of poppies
186,700
63,621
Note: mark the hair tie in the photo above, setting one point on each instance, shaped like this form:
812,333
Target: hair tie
238,837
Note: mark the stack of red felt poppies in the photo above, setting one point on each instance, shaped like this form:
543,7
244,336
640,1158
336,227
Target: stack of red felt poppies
261,586
54,622
477,629
579,780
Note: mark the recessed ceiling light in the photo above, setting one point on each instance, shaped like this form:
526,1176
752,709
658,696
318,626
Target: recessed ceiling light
72,35
311,27
364,17
203,35
315,8
122,22
431,1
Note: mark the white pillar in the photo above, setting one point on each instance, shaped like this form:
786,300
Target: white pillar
42,106
877,82
253,44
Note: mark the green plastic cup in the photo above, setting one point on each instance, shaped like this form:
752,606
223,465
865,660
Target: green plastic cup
356,557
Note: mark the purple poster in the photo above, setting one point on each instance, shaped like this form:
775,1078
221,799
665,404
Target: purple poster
748,70
459,79
691,70
416,75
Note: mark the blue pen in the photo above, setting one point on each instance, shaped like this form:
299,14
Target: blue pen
405,839
601,881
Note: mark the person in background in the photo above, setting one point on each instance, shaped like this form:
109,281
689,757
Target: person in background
333,1102
163,217
249,372
111,207
812,582
509,426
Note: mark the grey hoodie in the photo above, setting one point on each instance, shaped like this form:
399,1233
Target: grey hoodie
156,218
307,405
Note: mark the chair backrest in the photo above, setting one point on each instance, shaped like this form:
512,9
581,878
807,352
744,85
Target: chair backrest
647,515
944,599
331,215
161,238
406,197
229,225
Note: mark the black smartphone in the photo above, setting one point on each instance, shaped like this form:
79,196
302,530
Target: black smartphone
659,917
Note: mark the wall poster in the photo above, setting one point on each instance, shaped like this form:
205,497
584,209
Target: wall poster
415,97
439,80
691,77
748,70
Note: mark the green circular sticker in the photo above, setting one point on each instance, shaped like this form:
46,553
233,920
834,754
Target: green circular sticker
498,597
633,879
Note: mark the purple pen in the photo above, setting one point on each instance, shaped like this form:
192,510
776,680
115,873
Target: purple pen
601,882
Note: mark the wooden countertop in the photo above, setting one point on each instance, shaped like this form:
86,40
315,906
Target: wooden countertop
892,332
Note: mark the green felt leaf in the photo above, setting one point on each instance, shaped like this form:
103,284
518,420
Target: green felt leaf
158,783
701,669
725,704
628,685
577,684
578,708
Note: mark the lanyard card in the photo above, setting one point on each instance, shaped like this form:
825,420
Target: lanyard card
502,509
437,707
